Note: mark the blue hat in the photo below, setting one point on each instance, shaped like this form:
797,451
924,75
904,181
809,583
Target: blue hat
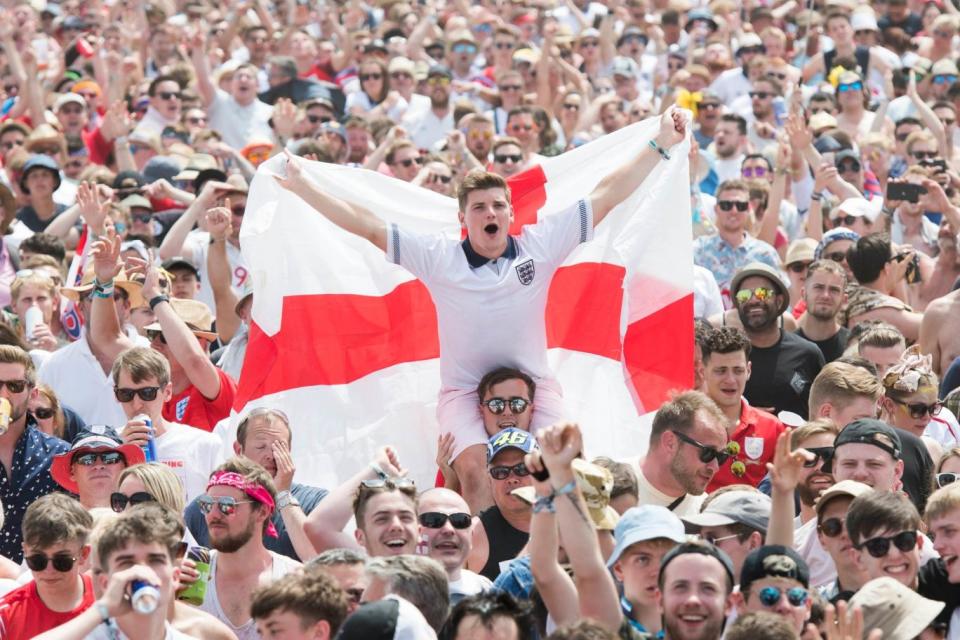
161,167
646,522
40,161
510,438
837,233
334,127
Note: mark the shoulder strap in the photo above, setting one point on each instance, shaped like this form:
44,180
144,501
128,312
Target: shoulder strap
676,503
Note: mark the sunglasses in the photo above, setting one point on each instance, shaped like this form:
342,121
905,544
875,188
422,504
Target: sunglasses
752,172
499,405
312,119
708,106
918,410
944,79
571,107
463,48
154,334
443,179
836,256
409,162
846,167
521,127
824,454
879,547
503,45
119,501
399,75
225,504
707,454
760,293
197,120
852,86
762,95
142,218
714,540
106,457
370,76
844,221
42,413
798,267
832,527
169,95
590,43
505,158
945,478
147,394
15,386
921,155
501,472
441,80
511,87
435,520
770,596
61,562
728,205
389,483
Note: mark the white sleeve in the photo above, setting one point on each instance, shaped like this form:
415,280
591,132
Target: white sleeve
554,237
418,254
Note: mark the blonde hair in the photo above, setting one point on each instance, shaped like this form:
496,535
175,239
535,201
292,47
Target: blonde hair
841,384
10,354
36,279
160,482
813,428
942,502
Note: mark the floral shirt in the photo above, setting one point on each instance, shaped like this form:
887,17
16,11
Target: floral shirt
715,254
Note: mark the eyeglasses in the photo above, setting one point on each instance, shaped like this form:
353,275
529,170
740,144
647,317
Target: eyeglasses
819,453
142,218
409,162
443,179
43,413
770,596
944,79
370,76
72,109
571,107
501,472
752,172
798,267
760,95
435,520
918,410
106,457
590,43
197,120
61,562
836,256
463,48
499,405
921,155
155,334
945,478
728,205
503,45
15,386
707,454
225,504
510,87
147,394
863,32
708,106
714,540
521,127
389,483
832,527
169,95
878,547
399,75
847,167
506,157
851,86
845,221
439,80
119,501
760,293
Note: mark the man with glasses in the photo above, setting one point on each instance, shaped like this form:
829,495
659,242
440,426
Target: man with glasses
447,531
509,158
428,125
775,578
734,521
55,531
404,160
164,106
708,117
506,400
522,126
763,125
91,468
238,506
884,528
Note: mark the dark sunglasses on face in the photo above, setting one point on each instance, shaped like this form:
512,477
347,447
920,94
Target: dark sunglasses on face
879,547
142,218
760,293
119,501
399,75
728,205
761,95
147,394
852,86
317,119
15,386
168,95
846,167
505,158
502,472
106,457
499,405
798,267
196,120
226,505
42,413
435,520
571,106
921,155
844,221
945,478
832,527
709,106
770,596
707,454
510,87
61,562
819,453
443,179
919,410
409,162
752,172
370,76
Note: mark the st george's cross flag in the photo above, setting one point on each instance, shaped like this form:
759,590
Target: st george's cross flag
345,342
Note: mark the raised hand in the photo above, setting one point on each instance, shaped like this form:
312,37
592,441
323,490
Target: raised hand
284,118
219,222
798,132
786,470
285,466
293,179
673,127
151,282
560,443
445,444
91,206
386,458
105,252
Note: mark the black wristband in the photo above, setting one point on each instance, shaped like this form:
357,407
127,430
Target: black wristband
154,301
541,476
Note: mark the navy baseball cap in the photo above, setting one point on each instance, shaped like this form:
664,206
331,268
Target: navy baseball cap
510,438
773,561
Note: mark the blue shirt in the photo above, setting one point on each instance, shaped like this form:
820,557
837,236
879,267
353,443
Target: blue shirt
713,253
28,479
308,497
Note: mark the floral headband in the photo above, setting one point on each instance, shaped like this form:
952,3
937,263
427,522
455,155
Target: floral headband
907,375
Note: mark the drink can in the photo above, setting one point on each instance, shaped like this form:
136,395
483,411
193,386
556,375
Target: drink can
149,449
144,597
32,318
196,591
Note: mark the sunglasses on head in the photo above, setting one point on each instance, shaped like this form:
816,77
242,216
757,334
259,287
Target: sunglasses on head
435,520
225,504
844,221
753,172
798,267
879,547
61,562
506,157
42,413
770,596
147,394
945,478
851,86
919,410
832,527
389,483
502,472
707,454
728,205
106,457
760,293
409,162
15,386
824,454
119,501
499,405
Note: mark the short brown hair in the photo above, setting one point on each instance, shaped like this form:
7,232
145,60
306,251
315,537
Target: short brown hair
478,180
829,266
365,494
733,185
875,511
53,519
395,146
841,384
813,428
503,141
502,374
311,596
254,474
10,354
679,412
881,337
761,624
146,523
142,363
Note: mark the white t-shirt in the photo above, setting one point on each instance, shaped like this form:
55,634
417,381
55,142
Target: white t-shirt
425,128
109,631
730,85
649,494
707,301
944,429
282,565
237,124
190,453
469,584
80,383
197,246
492,314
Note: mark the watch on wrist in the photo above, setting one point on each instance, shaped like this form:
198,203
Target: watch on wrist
154,301
285,499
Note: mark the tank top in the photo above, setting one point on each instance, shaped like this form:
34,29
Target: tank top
861,53
504,540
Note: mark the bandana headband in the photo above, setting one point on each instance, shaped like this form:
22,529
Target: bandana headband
253,489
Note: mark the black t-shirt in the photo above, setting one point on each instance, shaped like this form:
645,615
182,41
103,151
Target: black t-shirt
781,375
935,585
505,541
917,476
912,24
28,216
831,348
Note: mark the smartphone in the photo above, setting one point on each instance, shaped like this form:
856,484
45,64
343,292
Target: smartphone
904,191
597,21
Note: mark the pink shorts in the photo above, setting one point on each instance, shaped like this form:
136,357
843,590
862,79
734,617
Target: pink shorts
458,412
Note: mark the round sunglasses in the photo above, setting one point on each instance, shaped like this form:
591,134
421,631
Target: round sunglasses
770,596
499,405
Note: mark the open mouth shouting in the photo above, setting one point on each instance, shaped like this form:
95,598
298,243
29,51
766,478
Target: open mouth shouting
491,229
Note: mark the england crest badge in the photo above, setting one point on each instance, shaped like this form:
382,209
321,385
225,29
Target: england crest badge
753,447
525,271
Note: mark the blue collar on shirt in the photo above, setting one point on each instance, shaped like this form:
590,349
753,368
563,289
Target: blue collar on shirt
475,260
627,613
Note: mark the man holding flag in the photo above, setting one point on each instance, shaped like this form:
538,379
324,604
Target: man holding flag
487,287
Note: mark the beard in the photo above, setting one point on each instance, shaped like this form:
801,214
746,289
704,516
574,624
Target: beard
819,314
17,411
685,476
808,495
235,542
757,323
439,102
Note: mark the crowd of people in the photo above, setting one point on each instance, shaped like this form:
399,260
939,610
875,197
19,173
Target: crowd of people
804,486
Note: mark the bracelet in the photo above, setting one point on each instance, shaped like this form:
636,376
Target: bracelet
816,197
663,152
120,140
103,293
545,503
154,301
379,471
565,489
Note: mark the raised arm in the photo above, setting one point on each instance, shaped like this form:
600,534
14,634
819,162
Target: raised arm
771,216
785,472
617,186
218,273
173,243
928,117
198,55
292,515
349,217
106,336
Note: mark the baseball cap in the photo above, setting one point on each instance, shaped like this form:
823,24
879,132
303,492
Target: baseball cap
864,21
750,508
335,128
845,154
944,67
765,271
179,262
646,522
850,488
392,618
822,120
899,611
623,66
68,98
161,168
861,208
510,437
95,437
749,40
773,561
440,70
631,32
800,250
871,431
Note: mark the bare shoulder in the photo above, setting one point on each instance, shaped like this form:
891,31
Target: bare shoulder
200,624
